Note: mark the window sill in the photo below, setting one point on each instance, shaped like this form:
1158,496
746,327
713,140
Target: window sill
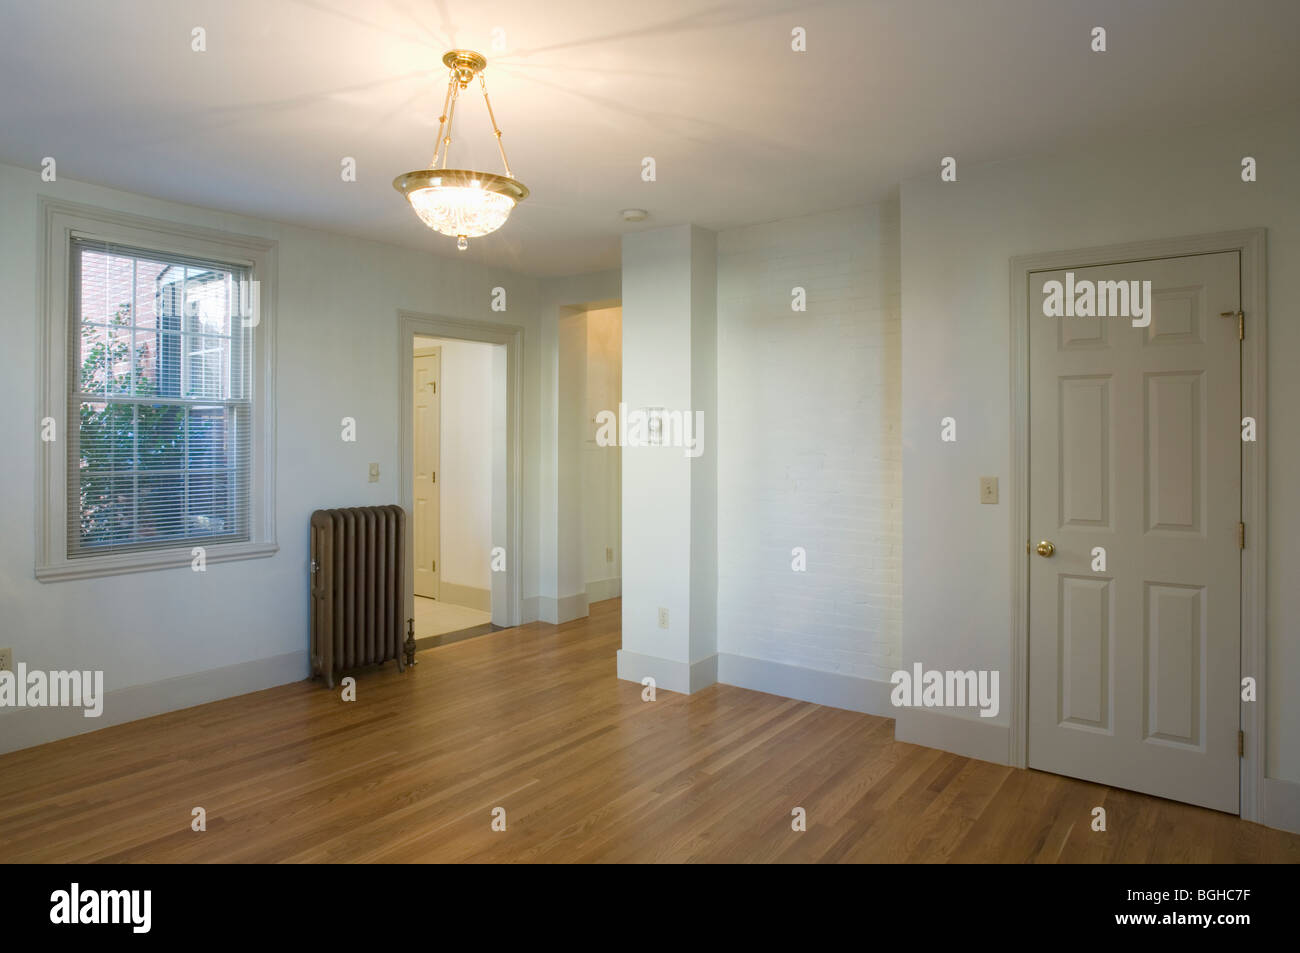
90,566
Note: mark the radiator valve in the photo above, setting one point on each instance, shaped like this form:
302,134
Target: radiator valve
409,647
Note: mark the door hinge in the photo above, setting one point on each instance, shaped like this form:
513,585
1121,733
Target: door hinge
1241,744
434,477
1241,535
1241,322
433,565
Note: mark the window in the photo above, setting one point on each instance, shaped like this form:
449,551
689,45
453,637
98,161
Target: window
165,396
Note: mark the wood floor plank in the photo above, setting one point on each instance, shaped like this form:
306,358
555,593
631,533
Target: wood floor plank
534,720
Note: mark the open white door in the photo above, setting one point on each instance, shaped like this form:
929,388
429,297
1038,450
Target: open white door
1135,449
428,436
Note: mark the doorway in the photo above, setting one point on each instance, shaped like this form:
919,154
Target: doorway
426,505
460,442
602,464
587,520
1138,599
458,396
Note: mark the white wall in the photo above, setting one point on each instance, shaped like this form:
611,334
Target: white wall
600,465
669,499
703,407
809,452
466,457
957,240
338,353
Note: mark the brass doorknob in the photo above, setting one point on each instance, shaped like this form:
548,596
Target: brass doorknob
1045,548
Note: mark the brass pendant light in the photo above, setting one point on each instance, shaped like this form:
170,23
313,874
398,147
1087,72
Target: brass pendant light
461,203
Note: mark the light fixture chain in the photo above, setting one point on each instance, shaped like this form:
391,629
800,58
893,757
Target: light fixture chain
451,117
496,129
458,202
442,120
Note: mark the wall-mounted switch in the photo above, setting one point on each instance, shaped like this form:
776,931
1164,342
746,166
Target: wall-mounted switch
988,489
6,660
609,554
374,473
663,618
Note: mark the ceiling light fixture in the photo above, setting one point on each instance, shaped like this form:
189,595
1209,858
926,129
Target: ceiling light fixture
461,203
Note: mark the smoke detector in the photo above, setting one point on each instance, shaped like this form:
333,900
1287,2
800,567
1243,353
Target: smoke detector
634,214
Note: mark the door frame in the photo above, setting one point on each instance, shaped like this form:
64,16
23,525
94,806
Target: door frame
413,324
427,350
1251,244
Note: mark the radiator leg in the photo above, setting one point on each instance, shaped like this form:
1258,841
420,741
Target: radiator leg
409,647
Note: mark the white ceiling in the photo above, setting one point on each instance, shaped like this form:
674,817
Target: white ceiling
743,129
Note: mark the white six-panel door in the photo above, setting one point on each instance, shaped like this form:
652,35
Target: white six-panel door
425,513
1135,449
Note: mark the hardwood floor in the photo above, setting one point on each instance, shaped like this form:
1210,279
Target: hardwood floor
533,720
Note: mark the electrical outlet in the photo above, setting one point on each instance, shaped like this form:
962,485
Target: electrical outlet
609,554
663,618
6,660
988,489
374,473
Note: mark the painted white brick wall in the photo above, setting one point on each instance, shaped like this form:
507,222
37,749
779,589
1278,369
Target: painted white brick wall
809,445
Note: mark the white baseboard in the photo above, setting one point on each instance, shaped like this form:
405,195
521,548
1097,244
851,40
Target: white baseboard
468,597
564,609
979,738
25,727
601,589
703,673
528,610
806,684
668,674
759,675
1281,807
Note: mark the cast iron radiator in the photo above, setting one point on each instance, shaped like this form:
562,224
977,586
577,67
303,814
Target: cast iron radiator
358,584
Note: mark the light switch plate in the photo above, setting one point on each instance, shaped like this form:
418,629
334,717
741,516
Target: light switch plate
374,473
6,660
988,489
663,618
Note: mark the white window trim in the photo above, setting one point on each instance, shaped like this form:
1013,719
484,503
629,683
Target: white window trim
59,221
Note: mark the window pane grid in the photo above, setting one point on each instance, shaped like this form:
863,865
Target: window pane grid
160,449
211,471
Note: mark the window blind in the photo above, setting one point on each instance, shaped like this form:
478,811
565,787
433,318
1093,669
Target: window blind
160,400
